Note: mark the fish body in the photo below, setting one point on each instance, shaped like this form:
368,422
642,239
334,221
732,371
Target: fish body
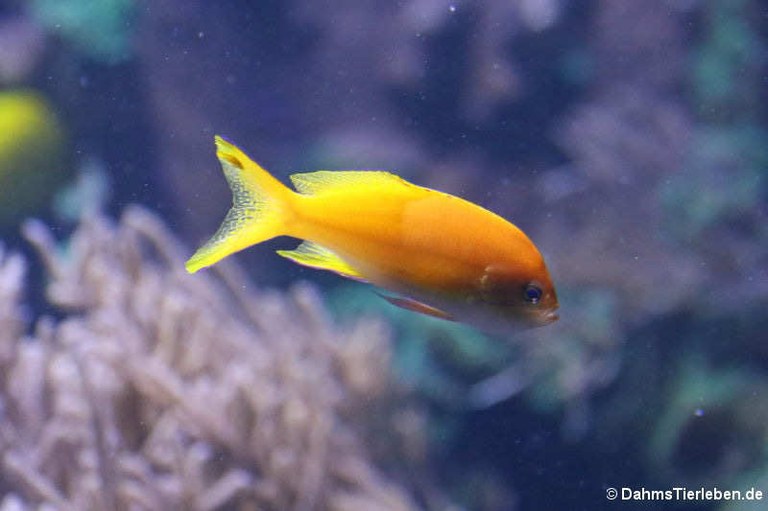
442,255
33,154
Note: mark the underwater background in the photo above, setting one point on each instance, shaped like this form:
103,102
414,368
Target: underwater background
627,138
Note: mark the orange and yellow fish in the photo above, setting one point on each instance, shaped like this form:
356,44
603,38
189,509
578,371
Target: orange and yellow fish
439,254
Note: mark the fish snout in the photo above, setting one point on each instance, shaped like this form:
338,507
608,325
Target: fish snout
551,316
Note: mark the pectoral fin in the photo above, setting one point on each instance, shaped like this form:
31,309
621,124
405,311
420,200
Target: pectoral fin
417,306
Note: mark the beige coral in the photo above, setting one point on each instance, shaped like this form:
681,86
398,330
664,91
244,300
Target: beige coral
161,391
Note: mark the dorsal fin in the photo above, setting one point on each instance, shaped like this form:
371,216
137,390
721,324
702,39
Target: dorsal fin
316,256
311,183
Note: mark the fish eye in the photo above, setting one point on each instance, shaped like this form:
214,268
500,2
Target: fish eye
532,293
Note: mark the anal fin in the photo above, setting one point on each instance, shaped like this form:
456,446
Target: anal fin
316,256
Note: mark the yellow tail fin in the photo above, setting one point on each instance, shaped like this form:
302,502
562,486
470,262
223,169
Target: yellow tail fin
259,205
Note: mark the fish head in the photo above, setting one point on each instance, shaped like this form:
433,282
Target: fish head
518,295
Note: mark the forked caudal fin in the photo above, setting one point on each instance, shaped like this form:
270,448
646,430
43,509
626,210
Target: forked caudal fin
259,203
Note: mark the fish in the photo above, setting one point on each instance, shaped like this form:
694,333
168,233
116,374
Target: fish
428,251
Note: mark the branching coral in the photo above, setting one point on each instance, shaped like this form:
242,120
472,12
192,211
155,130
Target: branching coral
163,391
12,270
625,140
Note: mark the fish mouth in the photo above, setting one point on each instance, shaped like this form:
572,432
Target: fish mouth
551,316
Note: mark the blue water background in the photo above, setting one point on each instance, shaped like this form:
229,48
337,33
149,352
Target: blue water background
628,139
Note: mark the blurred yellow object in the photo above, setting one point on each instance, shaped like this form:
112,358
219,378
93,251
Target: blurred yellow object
31,154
